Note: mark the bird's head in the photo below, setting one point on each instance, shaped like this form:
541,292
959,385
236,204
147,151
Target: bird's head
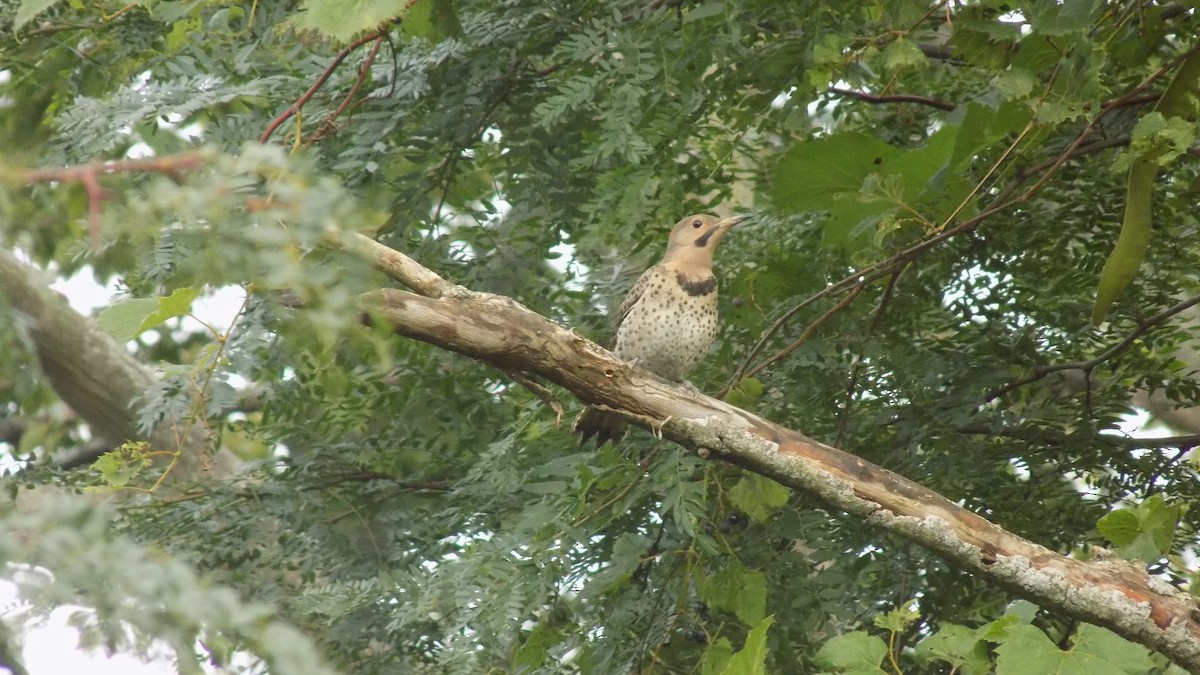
696,237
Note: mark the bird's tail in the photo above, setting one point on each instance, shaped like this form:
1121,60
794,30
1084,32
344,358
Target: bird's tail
605,426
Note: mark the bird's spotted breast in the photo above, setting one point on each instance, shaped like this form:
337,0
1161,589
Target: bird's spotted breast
694,287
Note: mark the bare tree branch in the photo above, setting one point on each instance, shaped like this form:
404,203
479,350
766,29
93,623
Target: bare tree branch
501,332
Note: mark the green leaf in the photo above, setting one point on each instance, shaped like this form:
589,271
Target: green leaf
1096,646
1095,651
123,319
1015,83
960,646
433,20
1027,651
903,52
752,658
1063,18
118,467
344,19
28,10
898,619
716,657
746,394
532,654
129,318
827,174
758,496
857,652
1120,527
739,590
815,174
178,303
1144,532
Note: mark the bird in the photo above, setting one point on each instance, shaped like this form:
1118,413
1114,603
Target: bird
669,319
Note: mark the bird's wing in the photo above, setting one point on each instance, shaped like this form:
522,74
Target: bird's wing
635,294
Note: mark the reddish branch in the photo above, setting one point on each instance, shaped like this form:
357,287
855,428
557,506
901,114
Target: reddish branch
88,175
328,123
316,86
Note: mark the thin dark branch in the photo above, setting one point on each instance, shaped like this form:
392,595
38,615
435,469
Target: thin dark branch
806,333
1144,326
365,475
1049,437
893,98
852,387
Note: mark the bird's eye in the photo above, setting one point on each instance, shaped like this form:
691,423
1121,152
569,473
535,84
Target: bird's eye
697,223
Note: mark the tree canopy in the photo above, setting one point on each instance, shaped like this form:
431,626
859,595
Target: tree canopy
971,264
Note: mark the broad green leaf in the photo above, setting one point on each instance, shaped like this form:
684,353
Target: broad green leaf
827,174
1027,651
961,647
898,619
28,10
532,654
433,20
1064,18
751,659
903,52
739,590
856,652
746,394
1094,651
1095,646
716,657
1015,83
178,303
1143,532
129,318
118,466
758,496
1120,527
853,177
123,319
344,19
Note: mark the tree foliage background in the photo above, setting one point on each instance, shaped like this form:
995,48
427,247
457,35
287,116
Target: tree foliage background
958,172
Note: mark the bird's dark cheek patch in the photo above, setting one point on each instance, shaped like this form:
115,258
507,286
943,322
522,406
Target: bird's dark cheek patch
702,241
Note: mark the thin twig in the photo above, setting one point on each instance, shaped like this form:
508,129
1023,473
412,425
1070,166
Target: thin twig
1185,442
893,98
1144,326
540,391
330,121
856,369
316,86
807,333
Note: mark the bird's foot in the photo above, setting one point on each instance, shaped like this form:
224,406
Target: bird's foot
687,384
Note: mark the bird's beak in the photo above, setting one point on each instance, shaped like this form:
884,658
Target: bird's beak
726,224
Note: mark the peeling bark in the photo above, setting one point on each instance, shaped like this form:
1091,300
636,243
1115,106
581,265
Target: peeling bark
499,331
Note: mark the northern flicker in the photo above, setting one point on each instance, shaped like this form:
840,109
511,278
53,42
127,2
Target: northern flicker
669,319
